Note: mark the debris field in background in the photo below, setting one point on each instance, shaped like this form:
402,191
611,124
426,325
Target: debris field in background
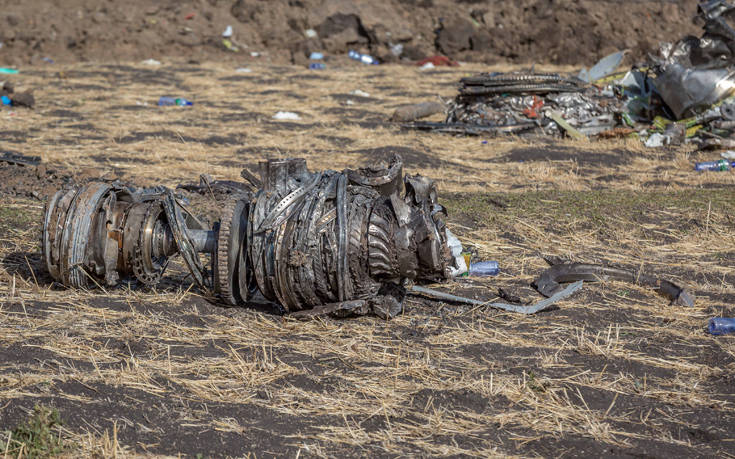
685,94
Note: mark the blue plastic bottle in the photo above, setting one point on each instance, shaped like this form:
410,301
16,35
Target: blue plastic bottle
484,269
721,165
317,66
168,101
721,325
6,100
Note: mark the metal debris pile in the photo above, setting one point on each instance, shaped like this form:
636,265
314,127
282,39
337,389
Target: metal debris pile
329,242
685,94
526,103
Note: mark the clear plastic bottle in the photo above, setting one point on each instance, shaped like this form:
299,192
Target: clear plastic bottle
165,101
721,165
484,269
721,326
364,58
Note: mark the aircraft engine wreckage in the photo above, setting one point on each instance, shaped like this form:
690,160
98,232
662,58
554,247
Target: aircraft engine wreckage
340,241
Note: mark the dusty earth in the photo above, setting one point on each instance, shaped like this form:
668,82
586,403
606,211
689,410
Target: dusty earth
523,31
612,371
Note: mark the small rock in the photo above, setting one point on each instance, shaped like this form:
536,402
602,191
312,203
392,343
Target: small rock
24,99
12,19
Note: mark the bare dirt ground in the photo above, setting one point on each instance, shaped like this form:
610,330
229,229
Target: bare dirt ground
613,371
521,31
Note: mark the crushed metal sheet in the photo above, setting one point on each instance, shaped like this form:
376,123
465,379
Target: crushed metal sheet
549,283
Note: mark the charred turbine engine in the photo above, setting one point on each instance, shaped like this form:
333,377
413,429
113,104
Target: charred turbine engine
101,233
330,242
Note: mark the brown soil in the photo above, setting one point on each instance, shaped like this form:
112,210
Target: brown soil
523,31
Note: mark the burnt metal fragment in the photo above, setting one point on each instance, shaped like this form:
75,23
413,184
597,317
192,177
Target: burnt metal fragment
331,242
548,284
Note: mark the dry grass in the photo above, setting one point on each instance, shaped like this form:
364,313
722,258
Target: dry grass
134,372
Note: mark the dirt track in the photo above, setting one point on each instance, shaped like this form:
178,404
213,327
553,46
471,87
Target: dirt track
613,371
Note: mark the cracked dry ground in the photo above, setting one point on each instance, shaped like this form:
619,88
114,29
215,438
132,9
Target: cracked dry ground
614,370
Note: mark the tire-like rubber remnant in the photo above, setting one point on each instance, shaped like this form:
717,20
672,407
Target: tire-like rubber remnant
231,236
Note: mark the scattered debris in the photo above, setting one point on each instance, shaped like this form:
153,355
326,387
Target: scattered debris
359,93
9,97
229,45
721,165
437,61
286,116
310,33
151,62
533,309
549,282
685,94
316,56
364,58
339,243
228,32
417,111
721,326
165,101
655,140
8,71
484,269
243,70
317,66
605,67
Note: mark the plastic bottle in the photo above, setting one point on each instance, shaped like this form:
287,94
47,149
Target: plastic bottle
6,100
484,269
721,326
721,165
364,58
317,66
167,101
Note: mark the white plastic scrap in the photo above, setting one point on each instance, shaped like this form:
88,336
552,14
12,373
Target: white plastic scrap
655,140
460,267
286,116
397,50
428,65
604,67
310,33
729,154
243,70
360,93
228,32
151,62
